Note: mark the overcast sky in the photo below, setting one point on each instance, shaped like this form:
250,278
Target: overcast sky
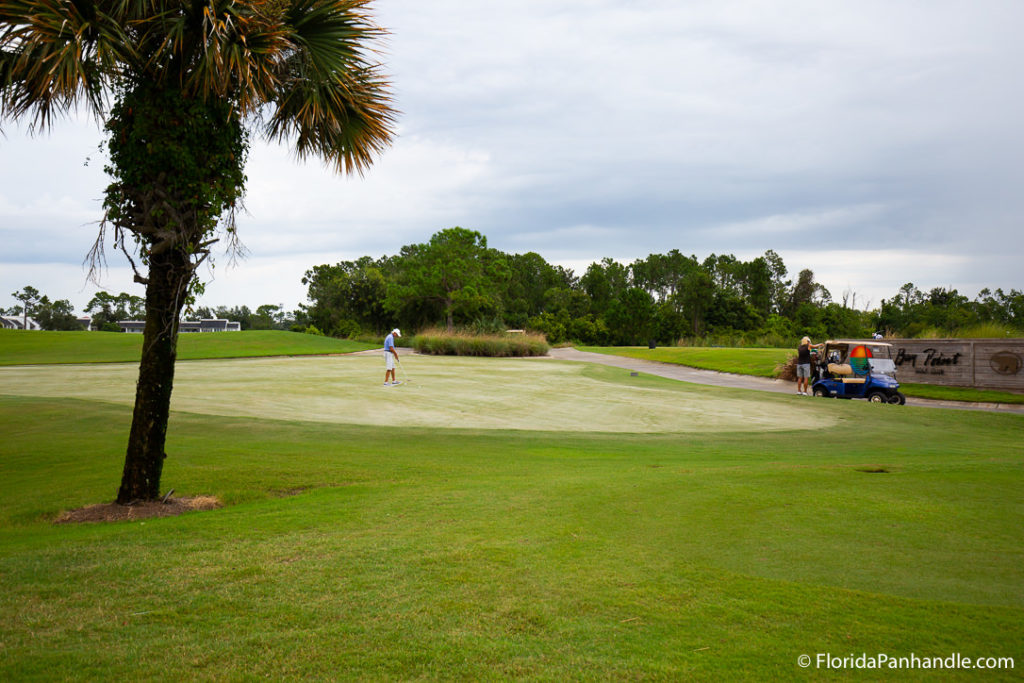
875,142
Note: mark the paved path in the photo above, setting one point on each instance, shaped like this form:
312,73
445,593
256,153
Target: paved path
725,379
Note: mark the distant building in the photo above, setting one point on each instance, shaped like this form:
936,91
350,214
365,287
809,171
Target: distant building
186,326
209,325
10,322
132,326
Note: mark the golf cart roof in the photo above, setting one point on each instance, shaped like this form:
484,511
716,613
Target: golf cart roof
856,342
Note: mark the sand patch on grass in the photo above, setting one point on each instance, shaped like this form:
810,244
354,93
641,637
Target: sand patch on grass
473,393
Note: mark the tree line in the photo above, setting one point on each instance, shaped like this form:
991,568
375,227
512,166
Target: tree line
106,310
456,280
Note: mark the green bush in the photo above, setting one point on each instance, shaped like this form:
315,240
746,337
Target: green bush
441,343
346,329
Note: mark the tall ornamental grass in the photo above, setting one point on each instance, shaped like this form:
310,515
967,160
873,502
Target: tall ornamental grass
979,331
460,343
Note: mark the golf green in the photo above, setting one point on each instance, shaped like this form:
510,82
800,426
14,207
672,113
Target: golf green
474,393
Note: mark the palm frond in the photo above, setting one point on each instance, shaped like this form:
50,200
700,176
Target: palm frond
347,123
310,63
57,54
332,99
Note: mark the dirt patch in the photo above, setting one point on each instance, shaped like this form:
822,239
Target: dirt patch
112,512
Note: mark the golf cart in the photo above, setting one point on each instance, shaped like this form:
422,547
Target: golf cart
856,369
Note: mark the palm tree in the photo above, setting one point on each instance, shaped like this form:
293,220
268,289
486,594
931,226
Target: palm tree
179,85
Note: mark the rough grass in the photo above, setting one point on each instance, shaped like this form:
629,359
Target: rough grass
443,343
409,553
20,347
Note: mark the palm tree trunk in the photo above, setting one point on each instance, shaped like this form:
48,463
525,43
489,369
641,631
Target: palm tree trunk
169,275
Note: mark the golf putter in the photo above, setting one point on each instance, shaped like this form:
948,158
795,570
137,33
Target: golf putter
405,377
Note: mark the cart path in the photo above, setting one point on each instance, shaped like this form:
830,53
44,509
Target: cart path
726,379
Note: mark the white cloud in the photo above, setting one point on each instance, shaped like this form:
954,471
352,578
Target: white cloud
44,208
419,186
63,281
873,274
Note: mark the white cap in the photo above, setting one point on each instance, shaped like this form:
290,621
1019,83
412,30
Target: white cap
396,332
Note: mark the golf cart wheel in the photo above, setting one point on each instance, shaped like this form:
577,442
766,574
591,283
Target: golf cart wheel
898,399
821,392
878,397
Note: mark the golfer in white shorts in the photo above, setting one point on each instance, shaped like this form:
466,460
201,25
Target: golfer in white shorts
390,356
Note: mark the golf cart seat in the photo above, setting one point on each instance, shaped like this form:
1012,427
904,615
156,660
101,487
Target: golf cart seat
853,380
840,370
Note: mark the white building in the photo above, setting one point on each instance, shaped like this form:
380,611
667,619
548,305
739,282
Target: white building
10,322
185,326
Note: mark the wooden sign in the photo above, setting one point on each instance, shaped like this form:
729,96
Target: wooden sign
980,363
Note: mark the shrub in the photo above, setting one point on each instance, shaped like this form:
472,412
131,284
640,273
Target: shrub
373,338
345,329
550,325
441,343
787,369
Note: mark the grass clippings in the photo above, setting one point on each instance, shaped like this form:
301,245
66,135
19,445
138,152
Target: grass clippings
114,512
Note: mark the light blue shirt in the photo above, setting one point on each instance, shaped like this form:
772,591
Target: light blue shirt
389,342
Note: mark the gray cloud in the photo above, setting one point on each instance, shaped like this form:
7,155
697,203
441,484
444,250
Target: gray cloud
885,132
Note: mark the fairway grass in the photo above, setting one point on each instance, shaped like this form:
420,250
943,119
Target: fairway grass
361,552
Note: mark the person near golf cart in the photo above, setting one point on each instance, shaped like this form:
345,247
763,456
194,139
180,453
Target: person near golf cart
390,356
858,369
803,365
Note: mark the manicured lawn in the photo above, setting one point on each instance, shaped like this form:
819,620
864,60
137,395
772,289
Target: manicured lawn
764,363
349,551
18,347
